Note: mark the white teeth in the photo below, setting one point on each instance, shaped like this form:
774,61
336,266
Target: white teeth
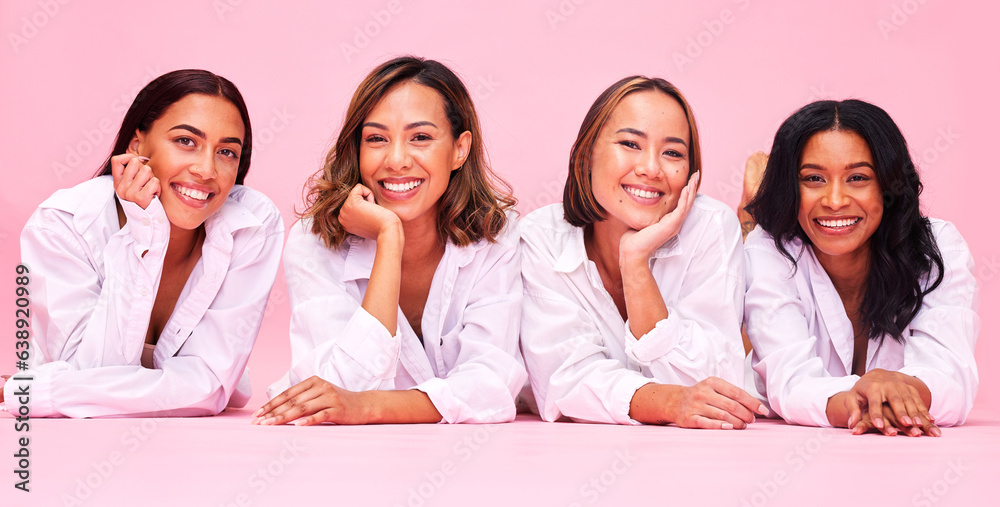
644,194
401,187
842,222
192,193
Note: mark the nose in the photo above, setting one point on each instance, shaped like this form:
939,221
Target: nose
836,197
398,156
648,165
204,166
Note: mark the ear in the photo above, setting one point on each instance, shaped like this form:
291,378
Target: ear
135,145
462,146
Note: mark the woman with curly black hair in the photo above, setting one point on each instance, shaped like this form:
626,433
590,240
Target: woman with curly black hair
861,311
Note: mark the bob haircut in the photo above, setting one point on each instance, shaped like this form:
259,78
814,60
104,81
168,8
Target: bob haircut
580,208
903,249
474,204
162,92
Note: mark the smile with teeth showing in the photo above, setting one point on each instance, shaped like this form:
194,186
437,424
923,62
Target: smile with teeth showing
642,194
401,187
199,195
838,223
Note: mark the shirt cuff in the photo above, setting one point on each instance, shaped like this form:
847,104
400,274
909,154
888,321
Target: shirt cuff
808,405
656,343
145,225
949,406
31,391
621,397
441,396
375,350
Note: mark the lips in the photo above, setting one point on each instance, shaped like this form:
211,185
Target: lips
643,194
195,197
838,223
400,187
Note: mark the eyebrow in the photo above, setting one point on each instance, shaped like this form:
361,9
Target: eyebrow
854,165
637,132
198,132
407,127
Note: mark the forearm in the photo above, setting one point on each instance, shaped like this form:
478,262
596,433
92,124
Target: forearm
652,404
400,407
643,300
836,410
381,298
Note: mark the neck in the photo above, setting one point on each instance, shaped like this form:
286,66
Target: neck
184,242
602,240
849,273
421,241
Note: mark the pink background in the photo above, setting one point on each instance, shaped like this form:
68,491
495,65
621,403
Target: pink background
69,71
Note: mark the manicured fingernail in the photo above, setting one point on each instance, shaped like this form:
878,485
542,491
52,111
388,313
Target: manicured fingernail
891,432
258,412
269,421
916,421
762,410
935,432
915,432
300,422
727,426
878,423
907,421
143,159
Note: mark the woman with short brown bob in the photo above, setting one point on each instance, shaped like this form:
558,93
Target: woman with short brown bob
403,273
634,284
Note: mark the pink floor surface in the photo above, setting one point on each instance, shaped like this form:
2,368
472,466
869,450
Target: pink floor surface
225,461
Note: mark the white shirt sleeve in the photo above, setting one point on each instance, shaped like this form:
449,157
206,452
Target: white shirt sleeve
785,352
571,370
83,325
700,337
486,376
332,336
939,350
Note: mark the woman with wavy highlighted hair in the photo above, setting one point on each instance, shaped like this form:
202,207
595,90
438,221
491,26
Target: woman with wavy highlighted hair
861,311
403,273
634,284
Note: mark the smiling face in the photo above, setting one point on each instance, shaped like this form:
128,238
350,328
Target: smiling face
640,159
194,150
407,151
840,198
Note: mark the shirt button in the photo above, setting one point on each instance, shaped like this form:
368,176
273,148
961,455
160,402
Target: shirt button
144,292
145,221
159,220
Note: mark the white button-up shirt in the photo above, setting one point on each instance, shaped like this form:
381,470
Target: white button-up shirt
92,287
468,362
803,340
583,361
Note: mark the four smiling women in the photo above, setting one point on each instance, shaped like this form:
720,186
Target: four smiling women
407,268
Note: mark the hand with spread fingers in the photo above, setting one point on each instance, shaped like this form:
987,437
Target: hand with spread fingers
641,244
712,403
314,401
